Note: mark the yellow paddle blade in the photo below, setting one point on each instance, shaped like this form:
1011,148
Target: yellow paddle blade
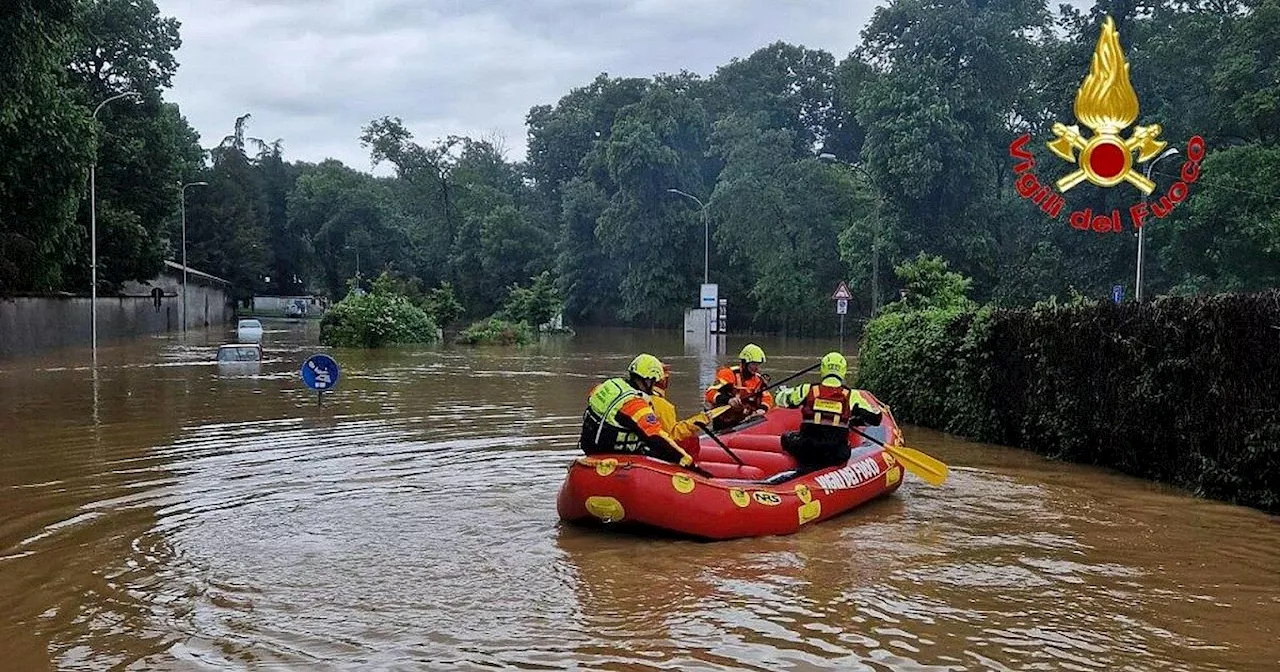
932,470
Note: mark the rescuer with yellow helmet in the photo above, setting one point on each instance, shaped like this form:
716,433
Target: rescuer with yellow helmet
684,432
620,417
827,410
737,386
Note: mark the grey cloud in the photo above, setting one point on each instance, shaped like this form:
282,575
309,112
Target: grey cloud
314,72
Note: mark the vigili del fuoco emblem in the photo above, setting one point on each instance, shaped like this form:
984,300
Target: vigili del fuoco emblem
1108,105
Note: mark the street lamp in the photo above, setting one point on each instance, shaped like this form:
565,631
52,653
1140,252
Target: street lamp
706,235
1137,294
356,249
93,223
184,250
875,240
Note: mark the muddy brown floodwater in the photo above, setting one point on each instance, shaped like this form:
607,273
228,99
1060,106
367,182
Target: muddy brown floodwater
167,514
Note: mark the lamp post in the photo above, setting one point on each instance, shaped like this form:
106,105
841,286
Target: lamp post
1137,293
184,250
93,224
706,235
875,237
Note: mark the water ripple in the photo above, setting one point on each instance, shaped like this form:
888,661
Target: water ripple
164,515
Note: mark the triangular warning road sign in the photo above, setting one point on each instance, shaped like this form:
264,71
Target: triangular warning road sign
842,292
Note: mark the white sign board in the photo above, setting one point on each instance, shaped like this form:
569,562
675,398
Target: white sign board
842,306
709,297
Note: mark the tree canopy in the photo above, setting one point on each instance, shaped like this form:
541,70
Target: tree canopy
918,119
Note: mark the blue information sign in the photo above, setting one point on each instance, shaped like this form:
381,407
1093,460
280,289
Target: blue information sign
1117,293
320,372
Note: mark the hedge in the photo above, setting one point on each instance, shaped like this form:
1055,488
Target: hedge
1181,390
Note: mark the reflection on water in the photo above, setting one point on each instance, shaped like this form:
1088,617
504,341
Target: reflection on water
163,512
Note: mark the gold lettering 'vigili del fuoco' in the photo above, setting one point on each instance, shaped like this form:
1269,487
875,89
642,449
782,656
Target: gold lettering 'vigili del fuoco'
1106,103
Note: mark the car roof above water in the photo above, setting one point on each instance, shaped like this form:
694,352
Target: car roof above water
240,352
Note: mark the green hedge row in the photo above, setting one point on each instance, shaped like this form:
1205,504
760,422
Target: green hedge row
1182,390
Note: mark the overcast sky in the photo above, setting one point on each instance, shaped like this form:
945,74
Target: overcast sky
313,72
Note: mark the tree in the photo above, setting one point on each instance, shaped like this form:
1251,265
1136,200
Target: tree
1226,237
930,284
561,137
346,217
793,87
146,150
655,144
226,221
781,218
585,277
46,141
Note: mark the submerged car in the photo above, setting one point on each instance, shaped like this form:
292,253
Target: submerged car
237,353
249,331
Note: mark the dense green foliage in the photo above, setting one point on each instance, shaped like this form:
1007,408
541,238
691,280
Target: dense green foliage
919,118
375,319
1181,390
534,305
45,144
496,331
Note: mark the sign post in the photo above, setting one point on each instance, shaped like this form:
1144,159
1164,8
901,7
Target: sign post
320,373
841,297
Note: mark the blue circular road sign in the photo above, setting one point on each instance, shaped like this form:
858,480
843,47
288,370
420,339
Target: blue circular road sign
320,372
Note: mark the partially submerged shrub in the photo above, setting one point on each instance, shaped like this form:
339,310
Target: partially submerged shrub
376,319
494,331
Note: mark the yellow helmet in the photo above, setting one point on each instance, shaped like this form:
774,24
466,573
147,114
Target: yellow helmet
751,353
833,364
646,366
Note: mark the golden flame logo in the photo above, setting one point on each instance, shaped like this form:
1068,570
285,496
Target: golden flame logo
1107,104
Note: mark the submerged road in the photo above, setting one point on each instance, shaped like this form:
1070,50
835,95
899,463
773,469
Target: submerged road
167,514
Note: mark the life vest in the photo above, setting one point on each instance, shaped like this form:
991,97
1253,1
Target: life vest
601,432
746,387
826,405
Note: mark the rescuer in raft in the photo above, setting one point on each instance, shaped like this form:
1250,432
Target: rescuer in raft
735,385
620,417
685,432
827,409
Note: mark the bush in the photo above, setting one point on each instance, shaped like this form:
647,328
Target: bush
1180,390
535,305
494,331
443,305
376,319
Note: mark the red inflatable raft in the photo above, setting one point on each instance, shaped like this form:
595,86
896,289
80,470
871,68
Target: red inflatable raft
762,498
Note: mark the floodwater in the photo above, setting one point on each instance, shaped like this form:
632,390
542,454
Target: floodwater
168,514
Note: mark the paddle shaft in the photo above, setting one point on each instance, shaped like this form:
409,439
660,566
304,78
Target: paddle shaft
717,411
793,376
720,443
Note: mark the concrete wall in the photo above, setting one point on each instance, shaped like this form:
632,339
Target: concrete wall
30,324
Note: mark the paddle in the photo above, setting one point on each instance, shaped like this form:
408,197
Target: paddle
930,469
719,410
715,438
